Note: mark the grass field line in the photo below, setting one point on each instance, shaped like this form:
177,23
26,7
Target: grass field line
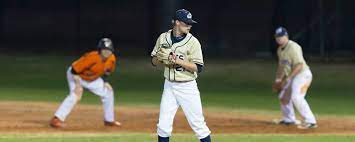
131,134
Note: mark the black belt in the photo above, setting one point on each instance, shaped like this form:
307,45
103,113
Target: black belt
175,81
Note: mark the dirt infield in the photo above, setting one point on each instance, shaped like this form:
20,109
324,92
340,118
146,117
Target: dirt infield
30,117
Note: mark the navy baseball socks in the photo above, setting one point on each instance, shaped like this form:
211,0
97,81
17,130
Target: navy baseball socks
166,139
163,139
206,139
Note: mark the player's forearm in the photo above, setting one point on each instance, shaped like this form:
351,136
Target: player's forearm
279,74
296,69
192,67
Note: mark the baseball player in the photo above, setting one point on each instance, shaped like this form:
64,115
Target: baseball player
179,52
90,72
293,78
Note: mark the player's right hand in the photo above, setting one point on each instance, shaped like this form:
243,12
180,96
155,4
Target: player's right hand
172,57
277,87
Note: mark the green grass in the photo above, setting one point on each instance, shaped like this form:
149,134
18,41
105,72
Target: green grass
226,85
231,85
177,138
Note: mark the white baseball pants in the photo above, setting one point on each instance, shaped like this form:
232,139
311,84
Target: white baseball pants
97,87
299,85
187,96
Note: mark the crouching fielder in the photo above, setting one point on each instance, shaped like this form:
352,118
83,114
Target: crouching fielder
180,52
90,72
292,81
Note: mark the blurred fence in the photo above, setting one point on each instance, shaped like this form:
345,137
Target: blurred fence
232,29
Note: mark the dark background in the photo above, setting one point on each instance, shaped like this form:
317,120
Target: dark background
226,28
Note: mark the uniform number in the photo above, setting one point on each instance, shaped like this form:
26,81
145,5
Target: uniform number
179,68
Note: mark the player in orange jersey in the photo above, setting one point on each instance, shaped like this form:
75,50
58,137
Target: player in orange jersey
90,72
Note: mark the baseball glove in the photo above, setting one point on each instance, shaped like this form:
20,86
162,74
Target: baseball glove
277,87
163,56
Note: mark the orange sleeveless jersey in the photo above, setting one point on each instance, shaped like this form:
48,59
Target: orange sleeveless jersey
90,66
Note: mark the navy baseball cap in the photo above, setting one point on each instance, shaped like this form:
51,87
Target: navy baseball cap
184,16
281,31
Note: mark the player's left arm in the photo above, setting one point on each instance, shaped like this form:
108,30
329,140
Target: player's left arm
154,60
111,66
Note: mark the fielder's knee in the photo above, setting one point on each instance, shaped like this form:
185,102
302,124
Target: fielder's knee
110,93
79,92
296,95
108,96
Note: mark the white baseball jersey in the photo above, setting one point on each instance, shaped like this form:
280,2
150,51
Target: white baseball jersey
290,55
189,49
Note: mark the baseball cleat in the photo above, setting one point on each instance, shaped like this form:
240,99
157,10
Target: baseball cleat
307,126
283,122
56,123
114,124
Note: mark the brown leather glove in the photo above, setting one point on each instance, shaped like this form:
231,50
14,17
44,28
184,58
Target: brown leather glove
277,87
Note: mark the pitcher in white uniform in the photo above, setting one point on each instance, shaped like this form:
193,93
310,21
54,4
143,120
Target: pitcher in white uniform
293,79
179,52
